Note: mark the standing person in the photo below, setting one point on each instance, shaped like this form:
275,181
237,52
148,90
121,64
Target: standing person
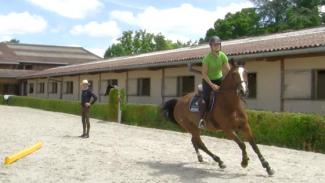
214,67
86,96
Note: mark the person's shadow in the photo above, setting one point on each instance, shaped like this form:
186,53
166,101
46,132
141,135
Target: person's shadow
186,173
70,136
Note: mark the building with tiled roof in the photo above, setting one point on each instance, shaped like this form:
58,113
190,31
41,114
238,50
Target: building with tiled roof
286,72
19,59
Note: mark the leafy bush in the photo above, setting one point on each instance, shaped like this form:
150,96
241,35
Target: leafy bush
114,96
1,99
292,130
148,116
72,107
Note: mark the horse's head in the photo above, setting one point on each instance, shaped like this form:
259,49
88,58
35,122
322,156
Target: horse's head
108,89
238,75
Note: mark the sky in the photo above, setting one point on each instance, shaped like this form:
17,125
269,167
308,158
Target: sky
96,24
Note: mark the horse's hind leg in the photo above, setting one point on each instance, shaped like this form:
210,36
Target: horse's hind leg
232,135
199,143
248,134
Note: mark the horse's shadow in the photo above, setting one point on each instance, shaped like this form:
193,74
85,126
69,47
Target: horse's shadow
187,173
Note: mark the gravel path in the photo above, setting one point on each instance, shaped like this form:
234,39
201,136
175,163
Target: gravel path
121,153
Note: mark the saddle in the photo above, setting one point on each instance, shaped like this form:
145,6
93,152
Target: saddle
194,105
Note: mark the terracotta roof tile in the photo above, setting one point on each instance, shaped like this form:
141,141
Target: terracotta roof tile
12,73
31,53
309,38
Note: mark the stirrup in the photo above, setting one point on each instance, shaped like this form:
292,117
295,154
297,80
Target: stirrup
201,124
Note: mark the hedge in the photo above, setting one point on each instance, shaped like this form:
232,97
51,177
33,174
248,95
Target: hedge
291,130
72,107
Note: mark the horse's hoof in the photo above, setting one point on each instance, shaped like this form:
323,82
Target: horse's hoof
270,171
244,163
200,158
222,166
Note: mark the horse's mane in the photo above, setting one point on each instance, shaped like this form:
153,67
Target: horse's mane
227,76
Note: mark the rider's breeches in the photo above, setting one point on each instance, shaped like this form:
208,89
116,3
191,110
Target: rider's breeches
85,118
207,89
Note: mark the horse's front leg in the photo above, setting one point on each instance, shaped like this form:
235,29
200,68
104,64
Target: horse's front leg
265,164
242,146
251,140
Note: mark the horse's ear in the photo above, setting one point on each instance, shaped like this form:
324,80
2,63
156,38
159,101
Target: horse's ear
242,63
232,62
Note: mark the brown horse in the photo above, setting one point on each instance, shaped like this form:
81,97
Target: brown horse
227,114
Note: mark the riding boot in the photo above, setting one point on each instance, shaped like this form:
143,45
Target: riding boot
83,127
88,127
202,108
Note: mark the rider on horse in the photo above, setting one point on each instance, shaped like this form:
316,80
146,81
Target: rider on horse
214,67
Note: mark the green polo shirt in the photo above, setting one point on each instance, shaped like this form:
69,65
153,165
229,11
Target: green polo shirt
215,64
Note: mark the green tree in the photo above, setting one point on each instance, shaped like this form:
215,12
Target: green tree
14,41
211,32
278,15
138,42
143,42
305,13
269,16
147,42
162,43
11,41
127,42
178,44
115,50
243,23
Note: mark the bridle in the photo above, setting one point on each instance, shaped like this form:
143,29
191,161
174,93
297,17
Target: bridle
237,89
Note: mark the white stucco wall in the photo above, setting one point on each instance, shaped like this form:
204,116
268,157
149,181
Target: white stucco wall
76,88
120,77
304,64
268,84
155,86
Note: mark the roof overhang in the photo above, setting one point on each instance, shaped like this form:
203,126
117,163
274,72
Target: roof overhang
244,57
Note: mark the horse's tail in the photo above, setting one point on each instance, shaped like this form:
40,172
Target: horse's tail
168,109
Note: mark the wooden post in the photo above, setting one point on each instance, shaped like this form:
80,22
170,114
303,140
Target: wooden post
61,89
36,88
99,86
127,86
79,86
47,86
163,86
282,73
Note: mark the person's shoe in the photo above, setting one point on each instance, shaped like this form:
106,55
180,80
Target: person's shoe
201,124
86,136
82,135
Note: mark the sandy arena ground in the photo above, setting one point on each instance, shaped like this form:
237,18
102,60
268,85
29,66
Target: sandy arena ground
121,153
